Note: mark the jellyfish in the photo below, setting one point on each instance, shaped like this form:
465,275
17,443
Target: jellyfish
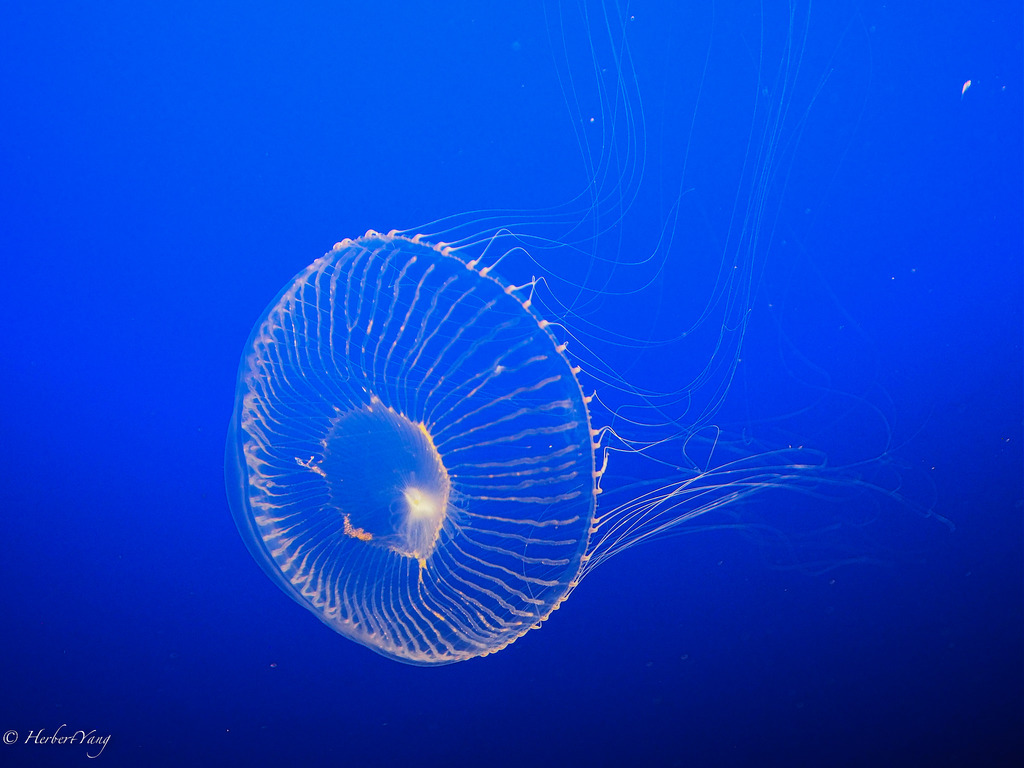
419,454
412,455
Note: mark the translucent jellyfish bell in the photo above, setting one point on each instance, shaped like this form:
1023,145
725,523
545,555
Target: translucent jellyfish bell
411,456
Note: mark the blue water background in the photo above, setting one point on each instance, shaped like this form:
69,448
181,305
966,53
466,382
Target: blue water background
166,168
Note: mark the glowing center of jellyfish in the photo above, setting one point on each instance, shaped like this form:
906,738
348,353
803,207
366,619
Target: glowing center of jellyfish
419,505
386,480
